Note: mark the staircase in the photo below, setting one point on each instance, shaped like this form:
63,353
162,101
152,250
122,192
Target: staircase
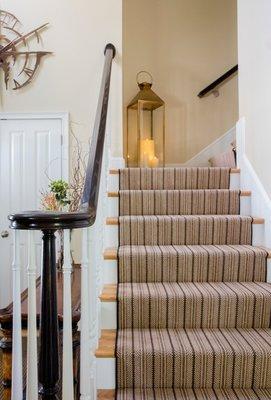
192,303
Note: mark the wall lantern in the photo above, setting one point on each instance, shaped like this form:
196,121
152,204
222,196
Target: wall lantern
145,127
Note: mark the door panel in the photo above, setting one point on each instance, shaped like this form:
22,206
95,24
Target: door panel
30,155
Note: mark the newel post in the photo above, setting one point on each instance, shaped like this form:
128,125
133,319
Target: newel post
48,354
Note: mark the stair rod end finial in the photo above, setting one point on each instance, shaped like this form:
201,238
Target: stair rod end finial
110,46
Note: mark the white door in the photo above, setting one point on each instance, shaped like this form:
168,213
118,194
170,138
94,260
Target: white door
30,154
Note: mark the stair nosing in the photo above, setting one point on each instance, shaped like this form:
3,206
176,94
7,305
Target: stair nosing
107,344
116,194
111,253
112,297
255,220
116,171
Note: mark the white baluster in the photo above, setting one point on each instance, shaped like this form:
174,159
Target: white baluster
32,358
67,378
85,347
93,245
17,377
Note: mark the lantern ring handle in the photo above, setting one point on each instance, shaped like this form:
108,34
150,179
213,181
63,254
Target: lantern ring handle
145,72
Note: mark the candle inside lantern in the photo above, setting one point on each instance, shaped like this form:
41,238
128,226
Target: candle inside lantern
147,155
153,162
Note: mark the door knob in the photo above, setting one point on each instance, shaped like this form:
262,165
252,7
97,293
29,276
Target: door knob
4,234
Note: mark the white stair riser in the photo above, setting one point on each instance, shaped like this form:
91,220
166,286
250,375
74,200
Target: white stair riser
111,236
245,205
113,206
108,315
235,181
258,234
110,272
269,270
106,373
113,183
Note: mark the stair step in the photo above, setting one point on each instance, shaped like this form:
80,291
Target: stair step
112,194
185,230
109,293
194,305
117,171
106,394
115,220
193,394
174,178
110,253
243,193
112,221
190,263
113,171
194,358
180,202
107,344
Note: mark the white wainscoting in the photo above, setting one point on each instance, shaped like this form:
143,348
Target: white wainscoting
213,149
249,180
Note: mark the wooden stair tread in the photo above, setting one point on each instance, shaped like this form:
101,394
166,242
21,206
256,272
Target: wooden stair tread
110,253
235,171
115,220
106,394
109,293
258,221
115,171
107,344
243,193
112,221
113,194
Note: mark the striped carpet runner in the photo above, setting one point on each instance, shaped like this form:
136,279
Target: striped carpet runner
193,303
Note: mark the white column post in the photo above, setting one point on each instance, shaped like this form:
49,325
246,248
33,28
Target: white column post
93,248
17,377
32,358
85,347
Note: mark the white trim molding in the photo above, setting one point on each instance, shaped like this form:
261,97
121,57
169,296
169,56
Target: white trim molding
218,146
249,180
64,117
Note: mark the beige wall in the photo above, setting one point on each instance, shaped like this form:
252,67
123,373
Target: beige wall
185,44
69,80
254,53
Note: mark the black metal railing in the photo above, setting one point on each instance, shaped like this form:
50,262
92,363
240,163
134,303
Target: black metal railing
49,222
222,79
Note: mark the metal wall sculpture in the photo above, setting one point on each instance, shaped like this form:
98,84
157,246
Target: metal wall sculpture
18,63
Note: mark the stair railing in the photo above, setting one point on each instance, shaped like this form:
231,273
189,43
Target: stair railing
218,82
43,368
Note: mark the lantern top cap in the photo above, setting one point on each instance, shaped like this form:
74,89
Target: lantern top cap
149,99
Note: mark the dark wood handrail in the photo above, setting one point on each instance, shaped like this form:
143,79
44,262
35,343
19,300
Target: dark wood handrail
218,81
85,216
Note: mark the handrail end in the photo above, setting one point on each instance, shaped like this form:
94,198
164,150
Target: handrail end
110,46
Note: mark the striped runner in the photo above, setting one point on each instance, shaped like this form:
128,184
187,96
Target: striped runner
194,308
179,202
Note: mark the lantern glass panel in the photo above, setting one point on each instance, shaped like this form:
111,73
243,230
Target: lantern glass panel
145,139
